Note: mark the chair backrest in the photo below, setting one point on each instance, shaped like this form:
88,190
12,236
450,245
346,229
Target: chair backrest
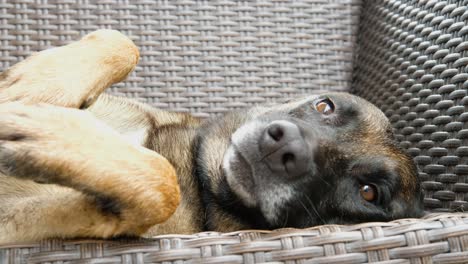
203,57
412,61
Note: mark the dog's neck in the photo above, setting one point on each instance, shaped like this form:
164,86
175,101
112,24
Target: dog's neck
180,143
176,143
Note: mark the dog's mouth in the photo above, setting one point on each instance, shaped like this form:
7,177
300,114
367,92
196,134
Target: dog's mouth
265,164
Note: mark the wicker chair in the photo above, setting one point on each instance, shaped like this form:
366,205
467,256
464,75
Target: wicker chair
206,57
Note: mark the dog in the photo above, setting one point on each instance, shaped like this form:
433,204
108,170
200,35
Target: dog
75,162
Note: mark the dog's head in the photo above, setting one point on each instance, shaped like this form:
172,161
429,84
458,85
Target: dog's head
322,159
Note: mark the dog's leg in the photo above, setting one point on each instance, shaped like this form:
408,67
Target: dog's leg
73,75
111,187
126,188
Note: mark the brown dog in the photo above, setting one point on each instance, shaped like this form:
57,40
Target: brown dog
111,169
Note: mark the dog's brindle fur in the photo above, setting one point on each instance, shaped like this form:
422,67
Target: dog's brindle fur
111,170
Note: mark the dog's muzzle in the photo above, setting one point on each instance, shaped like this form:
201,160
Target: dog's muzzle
268,160
284,150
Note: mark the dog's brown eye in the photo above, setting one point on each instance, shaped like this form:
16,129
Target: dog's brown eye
325,107
368,192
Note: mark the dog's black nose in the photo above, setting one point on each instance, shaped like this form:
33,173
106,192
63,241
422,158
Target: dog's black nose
276,131
284,149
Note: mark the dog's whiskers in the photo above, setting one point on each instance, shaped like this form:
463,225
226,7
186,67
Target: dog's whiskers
308,212
322,179
315,209
286,219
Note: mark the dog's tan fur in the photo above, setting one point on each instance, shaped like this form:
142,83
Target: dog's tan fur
102,182
72,75
109,164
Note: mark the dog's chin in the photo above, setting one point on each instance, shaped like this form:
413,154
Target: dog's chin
239,176
254,188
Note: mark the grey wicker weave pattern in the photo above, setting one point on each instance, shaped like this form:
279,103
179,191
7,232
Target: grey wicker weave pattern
202,56
211,56
413,62
437,239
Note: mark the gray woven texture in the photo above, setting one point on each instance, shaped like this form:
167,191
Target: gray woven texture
436,239
413,63
211,56
201,56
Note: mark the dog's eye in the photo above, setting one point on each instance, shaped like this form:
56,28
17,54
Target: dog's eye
325,107
368,192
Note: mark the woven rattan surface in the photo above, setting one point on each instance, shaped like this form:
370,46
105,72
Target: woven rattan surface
413,63
439,238
211,56
201,56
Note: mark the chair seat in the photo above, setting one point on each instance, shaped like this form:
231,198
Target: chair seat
437,237
408,57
